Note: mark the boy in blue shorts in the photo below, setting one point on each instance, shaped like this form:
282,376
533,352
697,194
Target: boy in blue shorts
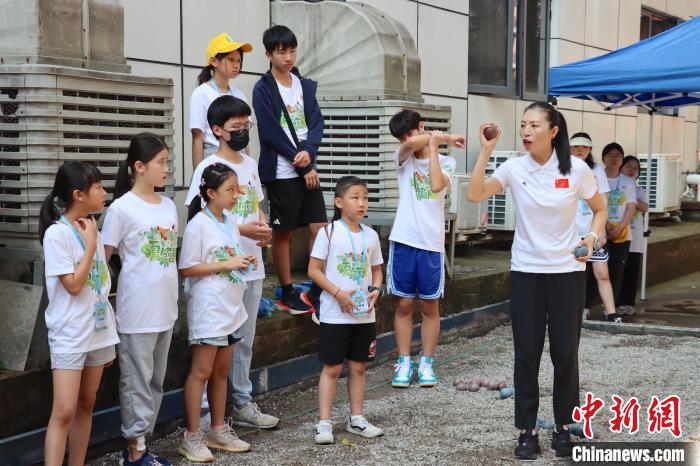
416,258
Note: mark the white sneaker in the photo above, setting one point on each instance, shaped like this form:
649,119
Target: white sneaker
225,438
361,426
194,448
586,314
249,415
324,433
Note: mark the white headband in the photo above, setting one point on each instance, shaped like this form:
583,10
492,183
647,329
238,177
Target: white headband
581,141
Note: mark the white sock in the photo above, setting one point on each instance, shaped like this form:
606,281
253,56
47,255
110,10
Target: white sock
325,421
355,418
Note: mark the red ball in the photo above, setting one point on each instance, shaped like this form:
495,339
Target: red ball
490,132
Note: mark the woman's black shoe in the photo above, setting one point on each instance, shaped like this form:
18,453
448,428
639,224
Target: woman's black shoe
561,442
528,446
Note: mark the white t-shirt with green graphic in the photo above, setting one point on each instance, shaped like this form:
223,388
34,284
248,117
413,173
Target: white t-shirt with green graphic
214,302
623,191
146,236
584,214
343,270
293,98
247,208
70,319
420,217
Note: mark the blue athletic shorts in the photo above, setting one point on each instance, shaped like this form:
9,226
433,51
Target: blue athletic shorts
415,272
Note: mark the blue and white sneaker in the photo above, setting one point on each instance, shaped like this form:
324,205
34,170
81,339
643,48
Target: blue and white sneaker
426,375
403,372
148,459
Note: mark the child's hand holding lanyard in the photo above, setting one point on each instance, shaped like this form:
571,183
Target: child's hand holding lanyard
86,233
359,295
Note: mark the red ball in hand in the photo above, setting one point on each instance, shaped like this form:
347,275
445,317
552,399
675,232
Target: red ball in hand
490,132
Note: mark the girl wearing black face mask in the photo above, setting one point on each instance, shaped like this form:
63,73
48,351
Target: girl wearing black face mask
229,119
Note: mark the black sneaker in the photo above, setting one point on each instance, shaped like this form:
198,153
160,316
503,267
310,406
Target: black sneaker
614,317
293,304
528,446
315,304
561,442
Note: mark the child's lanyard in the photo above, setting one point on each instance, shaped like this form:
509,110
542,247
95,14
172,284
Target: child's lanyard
225,227
96,257
216,88
359,259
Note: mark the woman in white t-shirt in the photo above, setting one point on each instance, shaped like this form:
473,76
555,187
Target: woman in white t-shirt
224,62
79,318
214,267
142,225
547,279
346,263
597,266
628,292
622,202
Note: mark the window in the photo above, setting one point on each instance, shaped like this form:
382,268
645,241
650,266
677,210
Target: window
652,23
508,47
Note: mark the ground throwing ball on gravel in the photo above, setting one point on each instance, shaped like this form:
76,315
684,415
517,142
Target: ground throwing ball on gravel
506,392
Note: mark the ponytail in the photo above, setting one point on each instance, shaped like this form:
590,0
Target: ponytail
212,178
48,214
561,140
206,74
72,175
142,148
195,207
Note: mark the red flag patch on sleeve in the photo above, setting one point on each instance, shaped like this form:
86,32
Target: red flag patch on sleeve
561,183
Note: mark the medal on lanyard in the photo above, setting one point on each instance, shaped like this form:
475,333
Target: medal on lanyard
359,297
226,229
101,307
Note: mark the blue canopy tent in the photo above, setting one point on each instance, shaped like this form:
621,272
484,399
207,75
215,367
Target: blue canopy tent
662,71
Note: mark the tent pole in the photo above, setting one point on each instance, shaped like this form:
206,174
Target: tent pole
645,222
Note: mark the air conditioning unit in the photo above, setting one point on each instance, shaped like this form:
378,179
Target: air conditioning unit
501,211
666,181
356,141
52,114
468,214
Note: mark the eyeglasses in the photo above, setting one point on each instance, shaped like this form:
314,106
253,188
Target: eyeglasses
614,157
239,128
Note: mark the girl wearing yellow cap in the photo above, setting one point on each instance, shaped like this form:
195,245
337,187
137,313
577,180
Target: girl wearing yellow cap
224,61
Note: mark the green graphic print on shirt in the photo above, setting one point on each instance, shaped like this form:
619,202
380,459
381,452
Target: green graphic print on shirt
97,276
421,186
222,254
296,114
247,203
349,267
160,244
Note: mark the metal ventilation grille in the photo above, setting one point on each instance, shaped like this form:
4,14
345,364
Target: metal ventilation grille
357,141
501,214
665,185
48,118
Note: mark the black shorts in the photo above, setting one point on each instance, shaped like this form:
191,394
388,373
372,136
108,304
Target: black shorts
338,342
293,206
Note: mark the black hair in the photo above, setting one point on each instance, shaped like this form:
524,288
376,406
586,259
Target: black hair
71,175
403,122
212,178
142,148
224,108
345,183
561,140
631,158
341,187
279,36
590,161
208,71
610,147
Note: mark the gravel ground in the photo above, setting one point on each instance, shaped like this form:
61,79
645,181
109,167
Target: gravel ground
443,426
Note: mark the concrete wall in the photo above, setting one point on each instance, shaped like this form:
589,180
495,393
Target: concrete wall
164,39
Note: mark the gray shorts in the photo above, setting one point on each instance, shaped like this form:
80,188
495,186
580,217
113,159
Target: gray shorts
226,340
77,361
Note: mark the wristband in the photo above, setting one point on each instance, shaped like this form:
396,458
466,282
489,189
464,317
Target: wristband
375,288
336,292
